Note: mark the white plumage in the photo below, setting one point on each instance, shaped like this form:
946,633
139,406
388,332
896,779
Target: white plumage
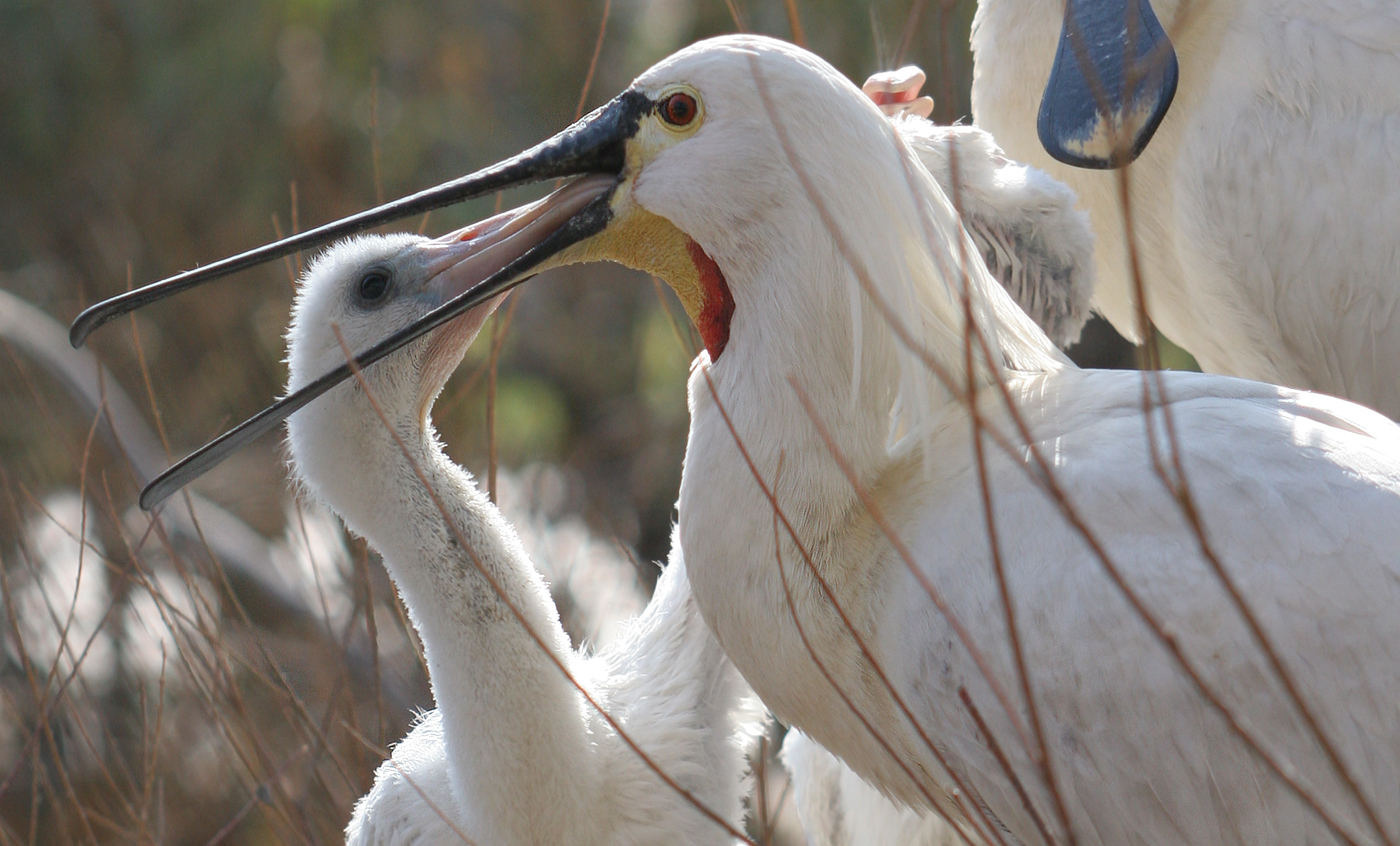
514,754
1265,205
1040,248
1300,497
1023,223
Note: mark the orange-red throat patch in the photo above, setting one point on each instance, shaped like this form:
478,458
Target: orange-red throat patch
718,304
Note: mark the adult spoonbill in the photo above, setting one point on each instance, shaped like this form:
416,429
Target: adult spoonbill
514,753
1264,207
1202,595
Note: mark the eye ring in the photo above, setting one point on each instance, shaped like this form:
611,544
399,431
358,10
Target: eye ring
679,109
373,287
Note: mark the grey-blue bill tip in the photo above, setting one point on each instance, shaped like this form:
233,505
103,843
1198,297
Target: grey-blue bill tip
1112,82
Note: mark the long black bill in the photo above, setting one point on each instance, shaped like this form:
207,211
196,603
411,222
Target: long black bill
1113,80
595,145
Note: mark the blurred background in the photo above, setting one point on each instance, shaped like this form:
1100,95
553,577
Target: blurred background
235,679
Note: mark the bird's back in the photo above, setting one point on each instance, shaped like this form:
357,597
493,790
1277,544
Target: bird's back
1299,497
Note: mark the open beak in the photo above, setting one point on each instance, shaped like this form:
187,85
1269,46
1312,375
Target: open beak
468,267
1112,82
461,262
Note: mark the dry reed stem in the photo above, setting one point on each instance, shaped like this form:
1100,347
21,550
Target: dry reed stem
286,260
934,595
736,14
1004,763
1284,770
870,729
799,37
242,616
686,337
906,35
151,789
502,323
877,515
283,686
593,62
260,794
1180,491
761,781
146,378
499,326
386,755
1164,634
221,673
372,628
519,615
296,224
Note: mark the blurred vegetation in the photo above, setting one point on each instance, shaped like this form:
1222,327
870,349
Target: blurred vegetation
140,139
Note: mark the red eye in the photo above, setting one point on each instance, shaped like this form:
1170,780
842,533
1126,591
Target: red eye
678,109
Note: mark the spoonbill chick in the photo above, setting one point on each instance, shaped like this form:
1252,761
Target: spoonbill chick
514,753
1263,209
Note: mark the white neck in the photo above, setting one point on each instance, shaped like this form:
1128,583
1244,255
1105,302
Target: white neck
794,317
518,747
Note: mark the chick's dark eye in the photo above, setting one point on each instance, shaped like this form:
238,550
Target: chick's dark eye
373,287
678,109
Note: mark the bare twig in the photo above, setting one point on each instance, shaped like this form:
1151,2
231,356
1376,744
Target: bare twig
799,37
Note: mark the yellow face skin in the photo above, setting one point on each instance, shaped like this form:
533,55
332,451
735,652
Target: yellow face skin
639,239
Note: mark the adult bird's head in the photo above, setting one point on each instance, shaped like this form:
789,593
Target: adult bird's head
745,172
1112,82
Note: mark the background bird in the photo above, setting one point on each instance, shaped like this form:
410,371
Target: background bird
1262,208
513,753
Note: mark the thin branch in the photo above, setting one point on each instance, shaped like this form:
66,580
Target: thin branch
593,62
799,37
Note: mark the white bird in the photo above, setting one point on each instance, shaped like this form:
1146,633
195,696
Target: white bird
1264,207
513,753
824,270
